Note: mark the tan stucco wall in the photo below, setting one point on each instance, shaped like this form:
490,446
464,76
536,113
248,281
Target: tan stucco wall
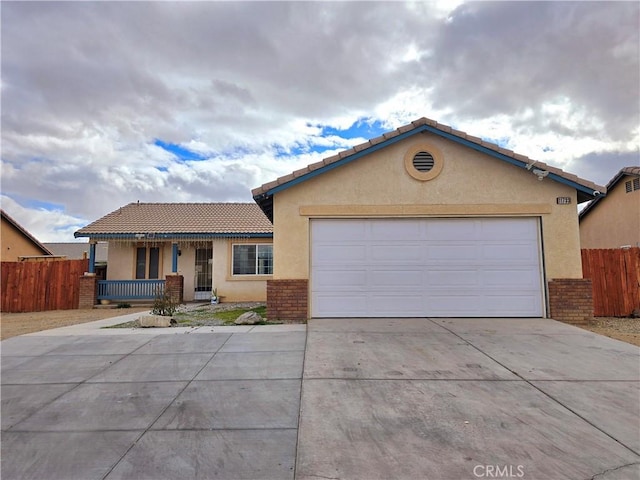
614,221
470,184
15,244
121,266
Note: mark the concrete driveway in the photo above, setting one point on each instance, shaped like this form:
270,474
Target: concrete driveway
376,399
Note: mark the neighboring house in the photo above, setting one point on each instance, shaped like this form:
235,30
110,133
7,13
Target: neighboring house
80,251
17,243
614,221
226,246
426,221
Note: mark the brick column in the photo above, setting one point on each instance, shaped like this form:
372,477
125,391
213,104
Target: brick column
174,288
571,300
287,300
88,291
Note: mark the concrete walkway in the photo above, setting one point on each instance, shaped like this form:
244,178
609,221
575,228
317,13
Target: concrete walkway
349,399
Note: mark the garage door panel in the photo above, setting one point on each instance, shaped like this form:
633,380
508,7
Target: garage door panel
520,253
404,230
447,279
339,305
387,305
396,253
511,278
396,279
508,229
451,229
426,267
500,305
338,254
329,279
353,230
458,305
452,252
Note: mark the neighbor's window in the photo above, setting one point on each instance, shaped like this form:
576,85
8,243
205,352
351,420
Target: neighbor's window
147,263
632,185
249,259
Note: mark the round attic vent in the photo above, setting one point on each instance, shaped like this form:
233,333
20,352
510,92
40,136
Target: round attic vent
423,161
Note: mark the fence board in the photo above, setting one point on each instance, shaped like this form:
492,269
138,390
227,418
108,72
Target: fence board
615,276
40,286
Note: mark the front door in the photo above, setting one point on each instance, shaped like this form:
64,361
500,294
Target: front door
204,273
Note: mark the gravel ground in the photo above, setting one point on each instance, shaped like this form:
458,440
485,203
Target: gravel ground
201,315
624,329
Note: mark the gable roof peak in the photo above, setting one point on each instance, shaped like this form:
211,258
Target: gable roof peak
263,195
633,171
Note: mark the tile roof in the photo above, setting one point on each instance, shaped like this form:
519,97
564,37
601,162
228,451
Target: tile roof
262,195
17,226
167,220
631,171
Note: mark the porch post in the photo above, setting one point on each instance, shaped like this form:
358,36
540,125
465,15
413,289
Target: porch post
174,258
92,257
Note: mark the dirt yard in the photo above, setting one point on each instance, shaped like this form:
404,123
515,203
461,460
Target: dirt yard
13,324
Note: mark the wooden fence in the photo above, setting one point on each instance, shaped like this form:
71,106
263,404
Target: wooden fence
615,275
40,286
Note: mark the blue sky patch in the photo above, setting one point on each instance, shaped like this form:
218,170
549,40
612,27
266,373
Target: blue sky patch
37,204
179,151
361,128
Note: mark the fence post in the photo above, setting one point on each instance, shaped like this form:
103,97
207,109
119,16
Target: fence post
88,291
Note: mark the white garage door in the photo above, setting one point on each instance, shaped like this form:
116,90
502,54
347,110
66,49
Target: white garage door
457,267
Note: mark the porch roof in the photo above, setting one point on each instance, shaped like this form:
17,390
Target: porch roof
166,221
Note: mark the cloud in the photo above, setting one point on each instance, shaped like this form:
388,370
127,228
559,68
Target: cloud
91,90
511,57
46,225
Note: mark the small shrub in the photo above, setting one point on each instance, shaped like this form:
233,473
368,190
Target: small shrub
124,305
163,305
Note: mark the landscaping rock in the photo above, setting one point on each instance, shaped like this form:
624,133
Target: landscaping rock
147,321
248,318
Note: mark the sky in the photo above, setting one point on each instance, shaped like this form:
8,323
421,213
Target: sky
107,103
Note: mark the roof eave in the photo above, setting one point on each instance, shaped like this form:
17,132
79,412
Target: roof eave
170,236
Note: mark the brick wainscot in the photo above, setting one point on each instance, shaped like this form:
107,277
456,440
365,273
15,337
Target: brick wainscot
287,300
571,300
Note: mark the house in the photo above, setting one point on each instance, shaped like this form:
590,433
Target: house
17,243
201,246
80,251
426,221
614,221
